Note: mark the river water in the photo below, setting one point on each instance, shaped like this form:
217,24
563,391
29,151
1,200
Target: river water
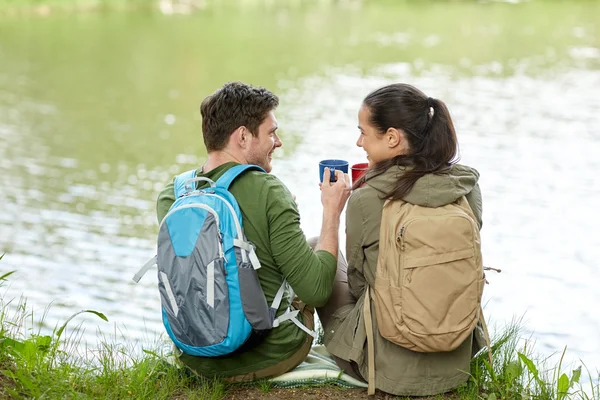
98,112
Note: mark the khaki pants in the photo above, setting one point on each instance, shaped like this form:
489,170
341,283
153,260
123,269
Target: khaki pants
340,297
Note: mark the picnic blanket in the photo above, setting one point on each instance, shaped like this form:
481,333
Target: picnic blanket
318,369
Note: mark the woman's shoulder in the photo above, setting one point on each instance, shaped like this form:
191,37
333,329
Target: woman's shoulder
380,183
367,197
461,169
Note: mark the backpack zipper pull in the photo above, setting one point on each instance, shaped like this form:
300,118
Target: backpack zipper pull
221,253
400,238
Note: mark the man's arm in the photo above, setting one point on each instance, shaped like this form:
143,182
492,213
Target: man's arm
165,200
310,273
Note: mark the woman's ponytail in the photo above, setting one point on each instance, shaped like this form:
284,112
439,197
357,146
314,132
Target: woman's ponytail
427,126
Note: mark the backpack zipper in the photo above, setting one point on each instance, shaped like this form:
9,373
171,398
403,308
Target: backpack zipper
238,227
401,237
401,234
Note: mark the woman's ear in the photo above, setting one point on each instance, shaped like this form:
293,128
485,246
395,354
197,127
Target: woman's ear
393,137
396,140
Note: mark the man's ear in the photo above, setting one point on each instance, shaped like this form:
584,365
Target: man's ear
240,137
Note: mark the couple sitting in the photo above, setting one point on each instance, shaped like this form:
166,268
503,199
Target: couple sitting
411,147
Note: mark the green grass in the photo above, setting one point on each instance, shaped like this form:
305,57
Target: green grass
519,373
49,366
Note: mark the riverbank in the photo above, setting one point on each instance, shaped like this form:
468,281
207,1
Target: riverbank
36,365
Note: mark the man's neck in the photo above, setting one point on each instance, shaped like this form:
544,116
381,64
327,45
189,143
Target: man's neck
218,158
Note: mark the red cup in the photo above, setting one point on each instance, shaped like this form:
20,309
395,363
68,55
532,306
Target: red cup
359,170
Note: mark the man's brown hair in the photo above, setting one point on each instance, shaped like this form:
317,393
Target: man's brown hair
235,104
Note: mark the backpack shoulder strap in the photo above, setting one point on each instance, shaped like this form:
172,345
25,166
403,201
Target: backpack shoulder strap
225,180
370,342
180,180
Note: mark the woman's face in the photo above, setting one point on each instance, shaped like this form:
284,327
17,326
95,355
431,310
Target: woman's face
373,142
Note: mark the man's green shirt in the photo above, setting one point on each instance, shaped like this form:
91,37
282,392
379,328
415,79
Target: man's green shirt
272,222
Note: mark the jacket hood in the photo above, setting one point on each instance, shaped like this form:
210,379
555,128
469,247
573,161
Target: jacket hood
431,190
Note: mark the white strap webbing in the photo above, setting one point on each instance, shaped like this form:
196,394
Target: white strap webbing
292,316
289,315
279,296
254,259
285,317
151,263
251,253
304,328
210,284
165,280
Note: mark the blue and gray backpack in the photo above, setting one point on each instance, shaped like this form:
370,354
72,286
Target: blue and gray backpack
212,301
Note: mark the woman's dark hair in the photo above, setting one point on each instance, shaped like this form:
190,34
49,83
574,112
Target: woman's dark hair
427,127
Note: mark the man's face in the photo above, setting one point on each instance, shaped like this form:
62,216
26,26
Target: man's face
261,147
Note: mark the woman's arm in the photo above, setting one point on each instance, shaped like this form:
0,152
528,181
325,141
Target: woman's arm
354,244
475,201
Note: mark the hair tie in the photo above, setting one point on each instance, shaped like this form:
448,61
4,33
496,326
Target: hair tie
430,110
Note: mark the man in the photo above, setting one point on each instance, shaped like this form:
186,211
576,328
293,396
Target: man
239,127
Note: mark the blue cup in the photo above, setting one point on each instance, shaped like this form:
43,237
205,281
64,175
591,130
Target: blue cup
332,165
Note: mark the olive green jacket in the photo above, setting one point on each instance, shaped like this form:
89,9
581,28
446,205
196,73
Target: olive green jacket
397,370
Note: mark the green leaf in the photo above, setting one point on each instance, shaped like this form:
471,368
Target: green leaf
563,386
529,364
99,314
43,342
8,373
22,380
26,382
151,353
575,377
6,275
513,370
62,328
9,344
492,396
13,393
30,351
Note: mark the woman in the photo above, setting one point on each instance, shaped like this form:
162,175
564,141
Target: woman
412,148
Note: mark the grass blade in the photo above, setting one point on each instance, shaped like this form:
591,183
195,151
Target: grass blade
62,328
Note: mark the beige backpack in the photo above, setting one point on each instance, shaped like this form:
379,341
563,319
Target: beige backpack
429,279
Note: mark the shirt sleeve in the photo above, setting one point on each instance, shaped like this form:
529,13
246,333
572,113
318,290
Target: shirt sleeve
165,200
354,244
309,273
